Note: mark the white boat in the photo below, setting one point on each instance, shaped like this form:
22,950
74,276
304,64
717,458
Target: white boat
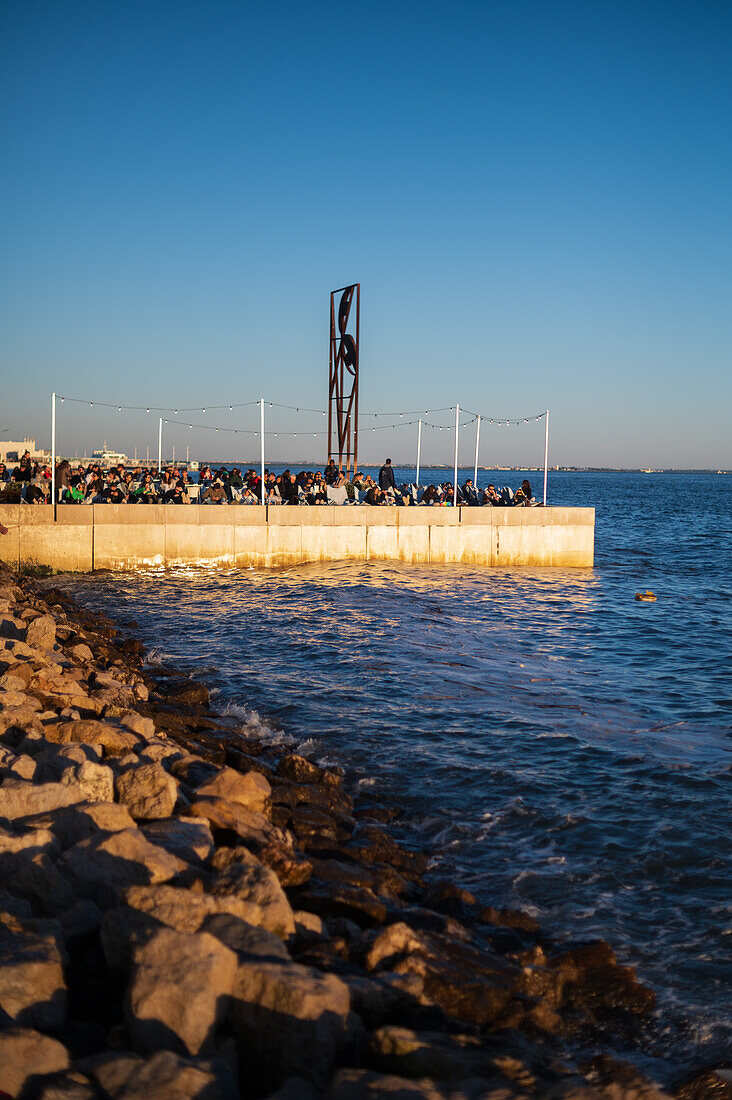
106,457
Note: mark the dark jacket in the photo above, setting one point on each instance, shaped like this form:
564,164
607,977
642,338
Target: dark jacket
386,478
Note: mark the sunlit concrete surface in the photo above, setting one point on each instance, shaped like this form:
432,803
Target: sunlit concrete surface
123,536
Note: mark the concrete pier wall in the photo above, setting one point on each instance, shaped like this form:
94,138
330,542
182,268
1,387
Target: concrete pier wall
123,536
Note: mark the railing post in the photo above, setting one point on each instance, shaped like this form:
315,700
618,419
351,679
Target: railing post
477,445
53,453
454,488
546,451
419,447
261,432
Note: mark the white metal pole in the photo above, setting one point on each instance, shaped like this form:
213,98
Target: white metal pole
477,445
419,447
454,488
160,444
546,450
261,432
53,453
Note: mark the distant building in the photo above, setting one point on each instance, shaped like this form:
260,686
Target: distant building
12,451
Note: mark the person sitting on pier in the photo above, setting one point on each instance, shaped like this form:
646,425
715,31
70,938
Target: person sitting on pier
214,493
490,496
470,496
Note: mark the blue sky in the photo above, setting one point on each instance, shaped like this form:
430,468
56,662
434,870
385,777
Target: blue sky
535,197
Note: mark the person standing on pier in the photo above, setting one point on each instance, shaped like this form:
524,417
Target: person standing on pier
386,476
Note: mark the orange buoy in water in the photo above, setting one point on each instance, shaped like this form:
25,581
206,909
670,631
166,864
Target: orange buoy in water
647,597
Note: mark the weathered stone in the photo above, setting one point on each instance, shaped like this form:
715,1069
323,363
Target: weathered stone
164,1076
112,740
105,864
147,791
290,1017
358,904
31,874
144,727
69,1086
376,998
32,988
21,799
263,899
95,780
251,789
363,1084
423,1054
25,1054
244,938
467,983
41,633
81,918
72,824
187,837
179,988
81,653
308,923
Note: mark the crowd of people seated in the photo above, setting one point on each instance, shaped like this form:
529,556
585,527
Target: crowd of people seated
80,484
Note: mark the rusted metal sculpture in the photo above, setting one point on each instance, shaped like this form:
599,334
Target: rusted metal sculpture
343,384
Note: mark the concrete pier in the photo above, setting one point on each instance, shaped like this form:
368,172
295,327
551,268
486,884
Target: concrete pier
127,537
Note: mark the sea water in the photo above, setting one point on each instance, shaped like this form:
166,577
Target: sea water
559,746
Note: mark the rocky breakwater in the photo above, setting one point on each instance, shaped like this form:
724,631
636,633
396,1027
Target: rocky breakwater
185,912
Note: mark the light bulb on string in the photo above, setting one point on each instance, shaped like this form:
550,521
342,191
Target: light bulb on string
147,410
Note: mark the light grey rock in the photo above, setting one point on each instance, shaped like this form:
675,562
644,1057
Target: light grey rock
264,903
244,938
107,863
164,1076
95,780
41,633
250,789
147,791
290,1017
144,727
72,824
20,799
32,987
26,1053
179,990
81,653
189,838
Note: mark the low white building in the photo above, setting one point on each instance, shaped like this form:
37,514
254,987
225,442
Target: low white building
12,451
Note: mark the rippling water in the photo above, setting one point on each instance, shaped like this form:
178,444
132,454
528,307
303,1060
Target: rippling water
560,746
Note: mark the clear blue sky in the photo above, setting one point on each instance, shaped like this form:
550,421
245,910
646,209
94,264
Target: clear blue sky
535,197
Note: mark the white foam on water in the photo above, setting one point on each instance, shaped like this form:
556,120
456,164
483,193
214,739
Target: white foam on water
157,656
252,725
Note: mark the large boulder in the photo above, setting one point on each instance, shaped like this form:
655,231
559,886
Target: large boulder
251,789
288,1019
26,1054
467,983
189,838
41,633
179,990
262,899
164,1076
147,791
96,781
32,987
90,731
105,864
20,799
71,824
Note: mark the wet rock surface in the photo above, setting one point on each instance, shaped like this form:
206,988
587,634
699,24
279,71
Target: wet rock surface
186,912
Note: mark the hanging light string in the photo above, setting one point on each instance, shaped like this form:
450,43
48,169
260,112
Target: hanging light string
155,408
498,421
314,435
507,420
